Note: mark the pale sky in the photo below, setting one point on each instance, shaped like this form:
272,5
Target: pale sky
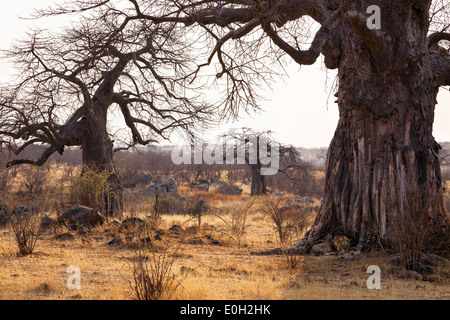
301,111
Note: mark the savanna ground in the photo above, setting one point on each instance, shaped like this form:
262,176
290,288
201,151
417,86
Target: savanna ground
211,262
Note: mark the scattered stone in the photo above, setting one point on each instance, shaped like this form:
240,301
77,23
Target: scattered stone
175,227
195,241
81,215
146,240
413,274
201,184
130,224
157,237
349,258
115,242
48,223
167,185
23,210
237,190
146,178
65,236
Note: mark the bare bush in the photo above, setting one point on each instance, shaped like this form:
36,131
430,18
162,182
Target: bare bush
289,223
411,230
25,222
152,271
197,206
238,225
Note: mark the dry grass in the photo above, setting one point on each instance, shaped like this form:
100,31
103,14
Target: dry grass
203,268
205,271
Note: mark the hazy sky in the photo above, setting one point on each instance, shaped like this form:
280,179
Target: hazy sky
301,111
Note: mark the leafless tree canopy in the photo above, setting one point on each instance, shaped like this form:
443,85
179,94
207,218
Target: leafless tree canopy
109,61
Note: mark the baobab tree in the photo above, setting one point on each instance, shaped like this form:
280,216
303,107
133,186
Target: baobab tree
69,83
391,62
259,147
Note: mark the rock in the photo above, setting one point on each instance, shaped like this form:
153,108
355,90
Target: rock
65,236
151,190
115,242
413,274
195,241
304,199
146,240
22,210
157,237
167,185
48,223
146,177
130,224
170,184
81,215
349,258
200,186
237,190
175,227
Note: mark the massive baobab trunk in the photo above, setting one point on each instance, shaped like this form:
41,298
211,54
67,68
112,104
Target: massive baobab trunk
383,155
98,153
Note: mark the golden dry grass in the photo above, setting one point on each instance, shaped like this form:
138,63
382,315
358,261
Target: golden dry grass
224,271
206,271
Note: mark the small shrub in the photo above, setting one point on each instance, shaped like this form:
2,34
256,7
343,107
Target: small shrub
152,272
238,225
411,230
26,228
289,224
197,206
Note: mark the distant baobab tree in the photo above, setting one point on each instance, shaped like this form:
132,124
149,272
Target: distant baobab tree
69,82
288,158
